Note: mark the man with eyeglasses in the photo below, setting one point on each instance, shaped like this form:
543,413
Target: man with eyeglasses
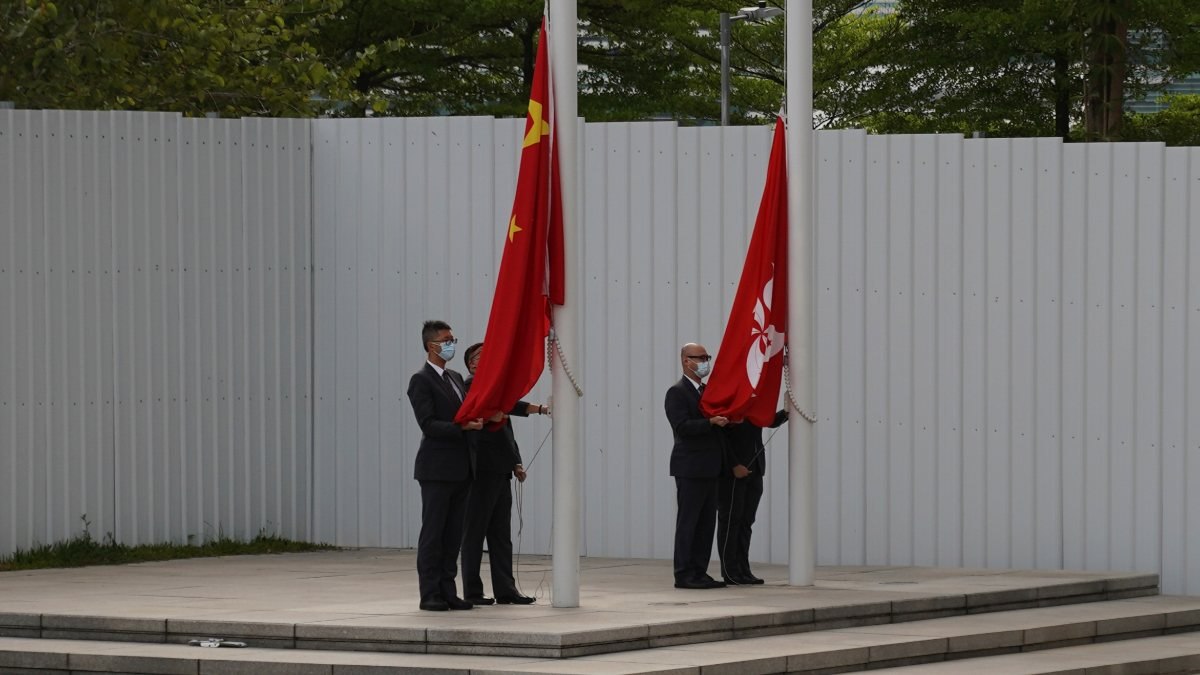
696,465
444,468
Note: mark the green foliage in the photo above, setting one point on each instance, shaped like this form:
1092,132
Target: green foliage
249,57
1025,67
640,59
1004,67
1177,125
82,550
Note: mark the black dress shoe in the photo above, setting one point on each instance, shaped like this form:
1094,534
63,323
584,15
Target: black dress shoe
712,583
515,599
479,600
455,602
751,579
434,605
740,580
700,584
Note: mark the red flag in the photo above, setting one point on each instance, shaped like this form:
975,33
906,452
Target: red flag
531,274
749,369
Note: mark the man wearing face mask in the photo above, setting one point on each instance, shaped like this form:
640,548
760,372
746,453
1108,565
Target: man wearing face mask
696,465
489,505
444,468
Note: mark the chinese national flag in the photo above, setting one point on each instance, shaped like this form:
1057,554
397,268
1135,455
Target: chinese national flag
531,266
749,369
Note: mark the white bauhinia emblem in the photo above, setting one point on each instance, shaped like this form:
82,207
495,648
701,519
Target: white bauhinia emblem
766,341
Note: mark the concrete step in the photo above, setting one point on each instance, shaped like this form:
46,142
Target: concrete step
1028,636
1171,654
627,606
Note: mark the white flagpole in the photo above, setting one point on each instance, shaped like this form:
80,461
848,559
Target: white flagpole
568,491
802,501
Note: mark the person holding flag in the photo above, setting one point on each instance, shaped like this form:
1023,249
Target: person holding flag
746,382
444,467
739,490
696,465
530,281
489,503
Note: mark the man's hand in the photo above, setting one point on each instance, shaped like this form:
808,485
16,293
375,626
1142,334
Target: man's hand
474,425
718,420
740,471
498,417
519,472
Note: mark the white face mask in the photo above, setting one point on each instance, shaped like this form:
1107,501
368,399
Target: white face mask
702,369
445,350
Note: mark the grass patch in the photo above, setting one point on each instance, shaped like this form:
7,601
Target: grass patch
82,550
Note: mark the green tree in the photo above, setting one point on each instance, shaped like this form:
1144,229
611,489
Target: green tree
244,57
425,57
639,58
1033,67
1177,125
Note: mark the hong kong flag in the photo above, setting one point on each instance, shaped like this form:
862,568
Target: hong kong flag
749,368
531,266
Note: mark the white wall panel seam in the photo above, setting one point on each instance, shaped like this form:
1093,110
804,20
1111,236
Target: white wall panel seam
273,320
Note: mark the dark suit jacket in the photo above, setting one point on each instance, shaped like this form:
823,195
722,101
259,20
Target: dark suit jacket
744,444
444,453
496,452
698,445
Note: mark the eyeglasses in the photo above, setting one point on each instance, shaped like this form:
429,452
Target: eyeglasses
449,341
698,357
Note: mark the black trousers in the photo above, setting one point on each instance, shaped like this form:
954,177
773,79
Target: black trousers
737,504
443,507
489,515
695,522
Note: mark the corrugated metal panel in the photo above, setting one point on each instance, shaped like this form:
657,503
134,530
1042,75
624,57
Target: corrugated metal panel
408,219
155,353
1052,366
1006,329
23,355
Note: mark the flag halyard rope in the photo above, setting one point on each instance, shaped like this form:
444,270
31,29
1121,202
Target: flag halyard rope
787,379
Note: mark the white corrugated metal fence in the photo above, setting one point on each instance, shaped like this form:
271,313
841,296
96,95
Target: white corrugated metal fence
1007,348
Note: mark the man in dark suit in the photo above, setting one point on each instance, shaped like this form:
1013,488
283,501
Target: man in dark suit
739,490
489,504
444,468
696,464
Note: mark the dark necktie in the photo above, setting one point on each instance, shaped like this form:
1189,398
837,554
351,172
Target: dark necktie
701,388
450,383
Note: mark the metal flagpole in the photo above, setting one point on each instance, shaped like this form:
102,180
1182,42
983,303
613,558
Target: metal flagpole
802,502
567,475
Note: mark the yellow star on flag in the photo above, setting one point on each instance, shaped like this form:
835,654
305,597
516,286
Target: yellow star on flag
512,228
539,124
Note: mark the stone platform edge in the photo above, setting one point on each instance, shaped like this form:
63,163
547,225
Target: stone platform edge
470,641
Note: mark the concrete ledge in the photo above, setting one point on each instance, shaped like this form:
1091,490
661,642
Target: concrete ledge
629,606
109,663
33,660
8,620
262,668
786,618
381,634
364,646
152,638
930,604
981,642
230,629
1130,582
862,648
